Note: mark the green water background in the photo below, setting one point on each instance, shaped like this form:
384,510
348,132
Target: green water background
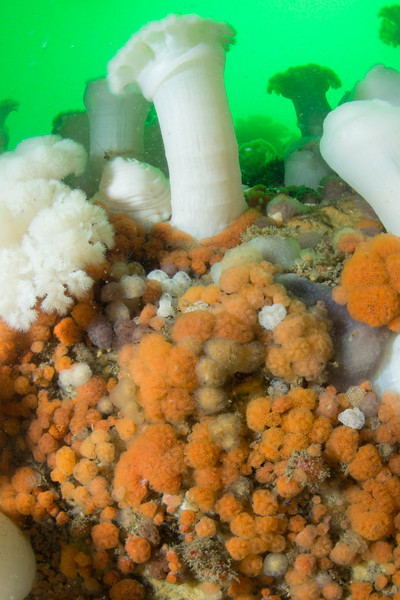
49,48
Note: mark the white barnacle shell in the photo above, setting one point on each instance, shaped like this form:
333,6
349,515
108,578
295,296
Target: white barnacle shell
352,417
137,189
270,316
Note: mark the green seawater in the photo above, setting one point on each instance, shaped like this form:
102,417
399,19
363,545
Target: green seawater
50,48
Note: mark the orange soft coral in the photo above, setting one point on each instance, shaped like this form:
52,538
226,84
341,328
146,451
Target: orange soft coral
127,589
342,444
232,327
68,332
84,312
201,452
206,527
198,324
372,509
129,238
371,525
389,415
243,525
209,294
177,405
301,345
154,459
105,536
200,259
138,549
257,413
371,280
347,240
25,479
230,237
165,374
228,507
366,463
291,429
11,341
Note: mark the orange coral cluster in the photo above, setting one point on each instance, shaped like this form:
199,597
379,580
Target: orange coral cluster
154,459
129,239
193,464
172,249
299,346
217,335
73,447
166,376
291,457
291,443
370,282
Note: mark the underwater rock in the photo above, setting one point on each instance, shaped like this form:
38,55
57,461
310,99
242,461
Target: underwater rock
277,250
357,347
333,189
286,207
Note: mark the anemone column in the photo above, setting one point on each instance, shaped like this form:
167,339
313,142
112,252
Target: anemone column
178,63
306,87
361,143
116,125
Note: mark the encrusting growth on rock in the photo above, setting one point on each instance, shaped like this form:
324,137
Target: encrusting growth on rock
168,426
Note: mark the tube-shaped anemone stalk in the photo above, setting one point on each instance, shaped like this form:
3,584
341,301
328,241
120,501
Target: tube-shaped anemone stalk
6,107
389,30
179,64
116,125
304,164
379,83
387,373
306,87
361,142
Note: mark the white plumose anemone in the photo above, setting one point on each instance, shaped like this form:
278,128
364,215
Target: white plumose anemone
137,189
178,63
361,142
387,373
116,124
48,232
